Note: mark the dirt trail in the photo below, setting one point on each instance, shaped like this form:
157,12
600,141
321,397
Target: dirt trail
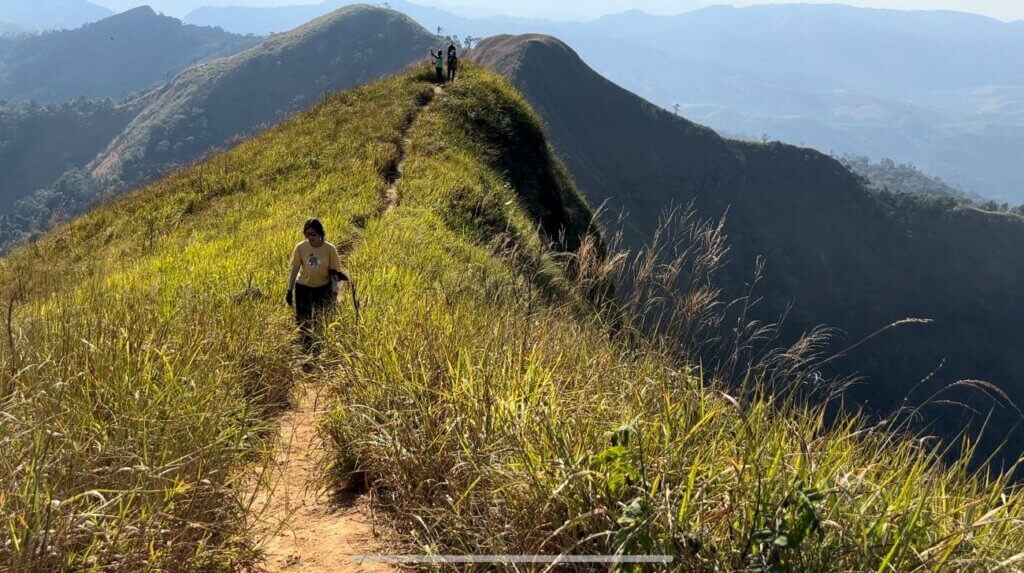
303,528
395,172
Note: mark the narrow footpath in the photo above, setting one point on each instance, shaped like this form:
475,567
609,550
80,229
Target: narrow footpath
394,174
304,528
301,526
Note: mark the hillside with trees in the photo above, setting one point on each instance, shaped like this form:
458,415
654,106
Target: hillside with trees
114,57
43,149
210,105
63,158
887,176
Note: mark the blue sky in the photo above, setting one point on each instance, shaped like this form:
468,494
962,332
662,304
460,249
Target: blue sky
576,9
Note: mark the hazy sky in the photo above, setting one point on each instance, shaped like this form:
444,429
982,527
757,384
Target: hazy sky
1002,9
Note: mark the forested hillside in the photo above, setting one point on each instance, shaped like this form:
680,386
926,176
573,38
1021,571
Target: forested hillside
114,57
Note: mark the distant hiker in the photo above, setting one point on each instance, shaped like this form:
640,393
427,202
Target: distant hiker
453,63
315,279
438,65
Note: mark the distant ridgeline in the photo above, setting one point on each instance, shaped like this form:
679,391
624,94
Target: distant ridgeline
114,57
888,176
42,15
835,252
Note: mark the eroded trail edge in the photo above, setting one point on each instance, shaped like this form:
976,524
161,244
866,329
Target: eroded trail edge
300,525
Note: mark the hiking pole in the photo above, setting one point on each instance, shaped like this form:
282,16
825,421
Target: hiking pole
355,300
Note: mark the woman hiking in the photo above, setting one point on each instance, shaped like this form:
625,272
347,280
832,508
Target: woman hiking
314,281
438,65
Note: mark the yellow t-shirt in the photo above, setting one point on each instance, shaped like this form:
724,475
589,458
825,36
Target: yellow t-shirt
314,264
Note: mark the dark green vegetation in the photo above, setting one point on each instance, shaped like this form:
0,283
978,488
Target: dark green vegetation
109,149
43,148
51,14
887,175
835,253
492,406
114,57
41,142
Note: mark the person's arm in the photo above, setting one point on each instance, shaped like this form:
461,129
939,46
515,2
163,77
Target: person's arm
296,265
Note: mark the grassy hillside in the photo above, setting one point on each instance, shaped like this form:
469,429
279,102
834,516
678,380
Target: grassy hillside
209,105
486,402
834,252
114,57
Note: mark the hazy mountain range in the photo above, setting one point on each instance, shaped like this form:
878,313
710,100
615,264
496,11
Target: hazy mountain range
114,57
6,28
943,90
59,158
51,14
207,106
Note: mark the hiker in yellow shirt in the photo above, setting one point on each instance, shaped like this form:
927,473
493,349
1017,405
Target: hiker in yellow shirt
315,279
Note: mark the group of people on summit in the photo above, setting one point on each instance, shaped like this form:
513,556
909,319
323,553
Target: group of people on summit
439,64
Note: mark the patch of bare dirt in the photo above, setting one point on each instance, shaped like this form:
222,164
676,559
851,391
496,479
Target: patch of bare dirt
301,527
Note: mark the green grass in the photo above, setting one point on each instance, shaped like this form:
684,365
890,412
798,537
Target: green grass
491,408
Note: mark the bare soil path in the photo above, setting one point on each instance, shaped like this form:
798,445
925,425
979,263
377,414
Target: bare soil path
396,171
303,527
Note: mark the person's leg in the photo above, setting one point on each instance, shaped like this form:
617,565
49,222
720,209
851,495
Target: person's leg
322,299
304,315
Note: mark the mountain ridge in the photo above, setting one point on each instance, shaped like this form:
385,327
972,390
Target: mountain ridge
835,253
907,85
358,36
483,388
